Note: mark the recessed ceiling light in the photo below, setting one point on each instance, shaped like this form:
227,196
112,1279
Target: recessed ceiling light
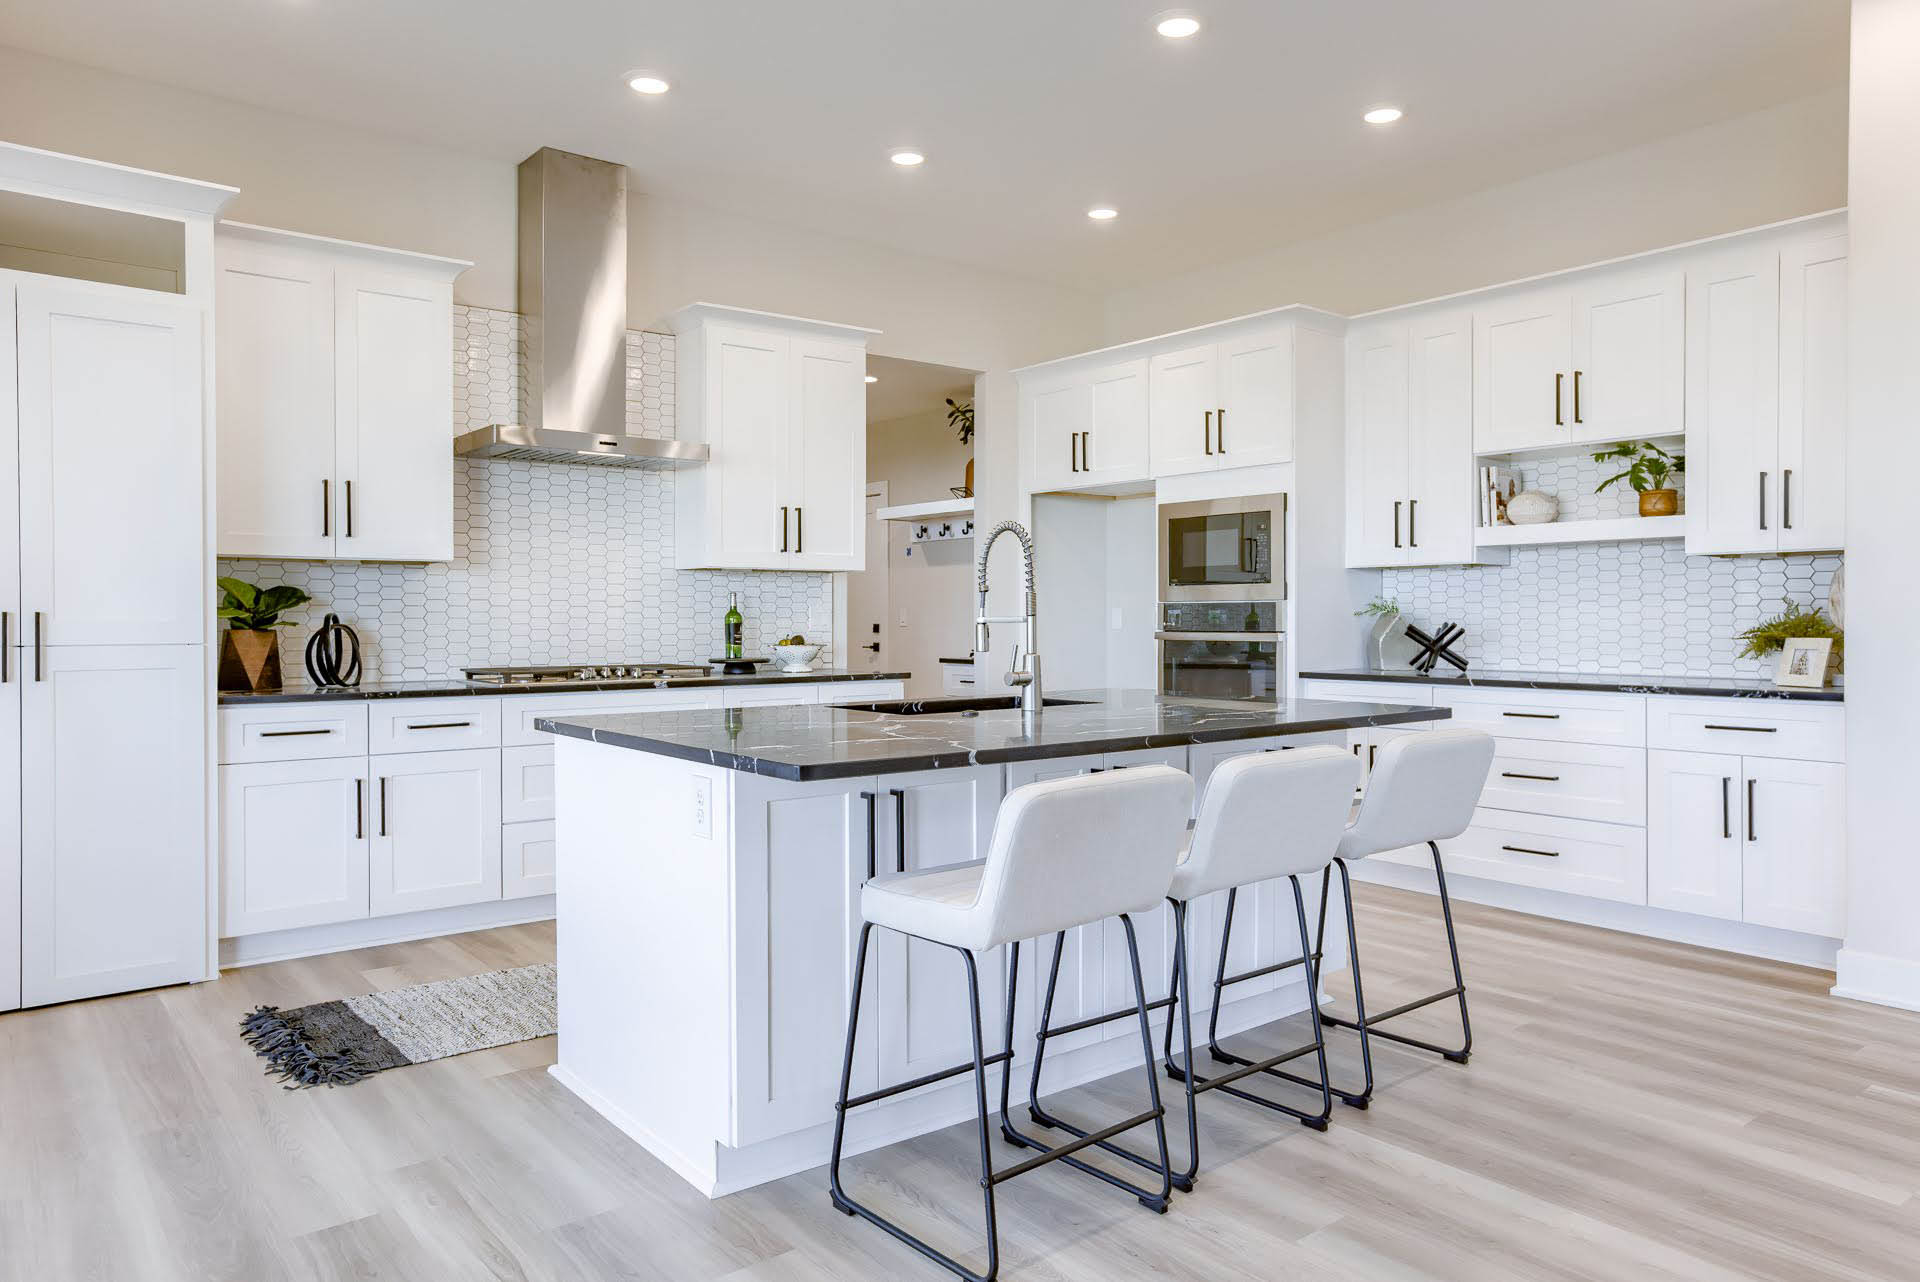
873,378
907,158
646,82
1383,115
1177,26
1101,213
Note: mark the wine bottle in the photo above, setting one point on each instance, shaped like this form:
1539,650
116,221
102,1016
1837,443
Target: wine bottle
734,625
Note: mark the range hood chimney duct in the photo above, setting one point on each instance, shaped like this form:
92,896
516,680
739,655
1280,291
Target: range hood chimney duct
573,297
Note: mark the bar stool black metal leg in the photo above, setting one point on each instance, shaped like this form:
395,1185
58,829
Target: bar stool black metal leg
1159,1202
1453,951
1220,980
839,1194
1313,1008
1359,1022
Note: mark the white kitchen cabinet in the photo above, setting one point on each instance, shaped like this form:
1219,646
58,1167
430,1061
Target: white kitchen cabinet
335,395
1410,442
1695,807
926,819
9,841
294,839
1793,858
113,819
112,544
1767,397
436,830
781,403
1522,347
1087,426
528,859
1223,404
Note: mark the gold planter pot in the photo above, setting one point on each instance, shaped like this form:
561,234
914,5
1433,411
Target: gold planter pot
1659,502
249,660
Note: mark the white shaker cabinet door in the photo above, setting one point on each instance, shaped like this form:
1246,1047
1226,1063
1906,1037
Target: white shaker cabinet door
1522,352
1055,413
10,844
1254,423
1733,403
1184,399
1115,449
1377,480
828,455
1813,395
393,392
436,830
1795,847
112,466
1628,357
10,656
1694,816
293,844
274,393
1439,466
114,820
749,504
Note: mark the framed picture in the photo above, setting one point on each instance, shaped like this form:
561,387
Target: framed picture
1804,661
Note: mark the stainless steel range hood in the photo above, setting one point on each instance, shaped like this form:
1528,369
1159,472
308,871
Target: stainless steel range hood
573,296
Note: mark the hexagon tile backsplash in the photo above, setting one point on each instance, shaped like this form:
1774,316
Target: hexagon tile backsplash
550,563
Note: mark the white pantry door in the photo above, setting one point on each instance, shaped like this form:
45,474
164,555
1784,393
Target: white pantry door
10,656
112,466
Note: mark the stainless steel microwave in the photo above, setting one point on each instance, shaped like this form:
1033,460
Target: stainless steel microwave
1224,549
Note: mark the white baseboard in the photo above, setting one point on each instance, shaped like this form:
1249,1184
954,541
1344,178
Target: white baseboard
370,932
1634,919
1878,978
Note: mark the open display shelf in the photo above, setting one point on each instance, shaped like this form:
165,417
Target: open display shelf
937,510
1615,530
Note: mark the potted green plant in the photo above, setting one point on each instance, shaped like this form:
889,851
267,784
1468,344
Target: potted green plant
1648,471
960,419
250,648
1767,637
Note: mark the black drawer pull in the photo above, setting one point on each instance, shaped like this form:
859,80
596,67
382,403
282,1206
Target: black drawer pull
872,837
1515,774
899,829
438,725
1745,729
290,734
1523,850
1534,716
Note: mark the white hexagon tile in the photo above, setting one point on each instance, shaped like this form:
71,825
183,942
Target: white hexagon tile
551,564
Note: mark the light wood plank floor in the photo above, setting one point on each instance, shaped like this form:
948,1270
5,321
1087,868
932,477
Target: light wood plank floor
1634,1110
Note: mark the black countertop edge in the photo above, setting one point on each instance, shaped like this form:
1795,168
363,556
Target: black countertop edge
955,757
1494,678
456,688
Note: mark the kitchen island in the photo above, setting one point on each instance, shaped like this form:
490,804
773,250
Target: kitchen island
709,909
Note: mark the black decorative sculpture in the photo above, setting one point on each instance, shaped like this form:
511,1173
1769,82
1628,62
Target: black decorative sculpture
1436,647
333,654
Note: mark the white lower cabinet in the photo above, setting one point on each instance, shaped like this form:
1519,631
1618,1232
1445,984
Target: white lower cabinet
1577,856
294,834
1694,806
436,836
527,859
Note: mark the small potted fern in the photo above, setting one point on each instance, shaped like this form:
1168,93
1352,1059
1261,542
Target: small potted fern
1768,637
1649,468
250,648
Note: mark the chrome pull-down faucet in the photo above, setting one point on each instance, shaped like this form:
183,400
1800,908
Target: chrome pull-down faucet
1025,674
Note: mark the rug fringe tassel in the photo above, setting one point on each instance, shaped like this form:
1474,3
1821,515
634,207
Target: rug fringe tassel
281,1043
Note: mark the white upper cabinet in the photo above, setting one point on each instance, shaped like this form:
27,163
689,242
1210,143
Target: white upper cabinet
1767,397
1184,402
1086,427
1410,441
1523,350
335,397
781,402
1224,404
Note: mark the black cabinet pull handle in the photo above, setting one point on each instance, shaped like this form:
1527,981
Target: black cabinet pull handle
1073,451
1413,514
1786,498
1559,420
1396,523
872,850
1206,431
1373,754
1726,806
1751,836
349,488
799,530
359,809
290,734
383,805
1515,774
1576,396
899,829
326,507
1763,500
783,529
1744,729
435,725
39,648
1220,430
1534,716
1527,850
6,646
1086,451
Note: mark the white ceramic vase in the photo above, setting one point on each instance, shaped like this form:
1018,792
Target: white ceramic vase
1531,507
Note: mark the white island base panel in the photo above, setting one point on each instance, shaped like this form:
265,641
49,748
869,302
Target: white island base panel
708,929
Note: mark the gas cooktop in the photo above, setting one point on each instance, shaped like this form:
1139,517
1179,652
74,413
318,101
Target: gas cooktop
579,673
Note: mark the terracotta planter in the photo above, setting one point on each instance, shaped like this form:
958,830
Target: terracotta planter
1659,502
249,660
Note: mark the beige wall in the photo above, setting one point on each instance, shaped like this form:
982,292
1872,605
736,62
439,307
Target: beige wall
1755,169
931,584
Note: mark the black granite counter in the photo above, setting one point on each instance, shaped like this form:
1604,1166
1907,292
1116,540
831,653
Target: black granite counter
803,743
1514,679
456,686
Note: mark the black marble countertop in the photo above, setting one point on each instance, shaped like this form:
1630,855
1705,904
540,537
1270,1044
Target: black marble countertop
818,742
456,686
1514,679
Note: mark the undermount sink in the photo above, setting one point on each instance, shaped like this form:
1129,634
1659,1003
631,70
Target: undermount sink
952,707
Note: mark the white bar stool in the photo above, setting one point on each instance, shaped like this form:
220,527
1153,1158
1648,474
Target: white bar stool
1422,788
1064,853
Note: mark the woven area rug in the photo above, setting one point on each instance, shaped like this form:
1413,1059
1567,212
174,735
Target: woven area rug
338,1043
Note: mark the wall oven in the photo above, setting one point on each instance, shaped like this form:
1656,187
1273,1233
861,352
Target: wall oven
1224,550
1227,651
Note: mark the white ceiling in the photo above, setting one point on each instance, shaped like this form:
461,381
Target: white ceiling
1243,137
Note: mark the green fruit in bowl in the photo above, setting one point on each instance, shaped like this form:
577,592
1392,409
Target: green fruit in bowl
795,639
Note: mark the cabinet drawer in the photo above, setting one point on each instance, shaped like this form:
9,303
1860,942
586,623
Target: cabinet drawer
519,712
527,854
433,725
1602,861
293,732
1750,727
958,678
1369,692
862,691
769,696
1563,715
1572,780
526,783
